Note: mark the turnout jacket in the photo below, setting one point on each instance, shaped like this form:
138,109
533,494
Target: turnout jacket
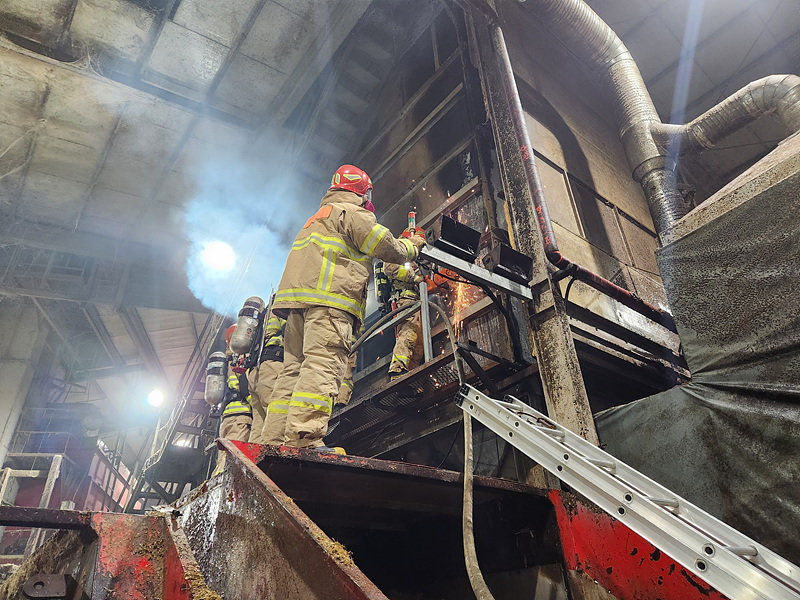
238,400
402,278
331,259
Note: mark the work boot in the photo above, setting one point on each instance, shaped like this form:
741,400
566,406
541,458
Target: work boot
333,450
397,374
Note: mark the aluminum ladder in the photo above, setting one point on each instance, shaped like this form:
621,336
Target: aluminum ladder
731,562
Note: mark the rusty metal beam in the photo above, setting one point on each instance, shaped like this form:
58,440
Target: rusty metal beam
48,518
286,551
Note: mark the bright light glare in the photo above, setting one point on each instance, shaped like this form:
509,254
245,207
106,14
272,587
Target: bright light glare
155,398
218,256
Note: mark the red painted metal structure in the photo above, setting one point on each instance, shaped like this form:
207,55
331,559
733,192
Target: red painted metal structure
623,562
266,526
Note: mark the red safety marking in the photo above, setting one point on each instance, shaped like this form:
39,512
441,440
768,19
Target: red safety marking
322,213
620,560
127,546
251,451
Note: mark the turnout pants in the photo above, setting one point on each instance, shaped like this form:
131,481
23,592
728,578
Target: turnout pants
261,381
316,344
407,334
346,391
236,427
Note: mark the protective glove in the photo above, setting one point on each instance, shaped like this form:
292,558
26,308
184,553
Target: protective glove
418,242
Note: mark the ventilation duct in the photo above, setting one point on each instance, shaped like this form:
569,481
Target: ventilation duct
644,138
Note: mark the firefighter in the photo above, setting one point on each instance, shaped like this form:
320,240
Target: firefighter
322,296
262,377
237,414
405,281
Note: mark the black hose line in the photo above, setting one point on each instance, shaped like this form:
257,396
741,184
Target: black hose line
411,308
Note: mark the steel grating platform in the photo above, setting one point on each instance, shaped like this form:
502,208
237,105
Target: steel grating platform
416,404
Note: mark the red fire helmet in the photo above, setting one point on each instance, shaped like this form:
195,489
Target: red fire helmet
352,179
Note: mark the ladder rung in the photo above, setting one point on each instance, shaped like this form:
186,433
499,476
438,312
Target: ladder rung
513,406
671,502
743,550
556,433
606,464
677,527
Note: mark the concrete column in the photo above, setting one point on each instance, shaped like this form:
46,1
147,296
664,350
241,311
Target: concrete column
22,337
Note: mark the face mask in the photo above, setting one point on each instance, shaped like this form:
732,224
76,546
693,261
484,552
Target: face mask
368,201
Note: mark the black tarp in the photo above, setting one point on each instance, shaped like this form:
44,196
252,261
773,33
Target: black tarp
729,441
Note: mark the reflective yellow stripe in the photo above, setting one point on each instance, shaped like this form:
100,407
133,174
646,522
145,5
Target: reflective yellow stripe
274,325
376,234
278,407
320,297
348,383
402,272
326,272
237,407
275,340
401,358
329,283
409,248
233,381
313,401
326,241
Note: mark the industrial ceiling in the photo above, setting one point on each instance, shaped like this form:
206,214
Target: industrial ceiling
127,123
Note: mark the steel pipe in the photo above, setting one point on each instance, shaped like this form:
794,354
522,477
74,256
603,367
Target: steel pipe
646,140
543,216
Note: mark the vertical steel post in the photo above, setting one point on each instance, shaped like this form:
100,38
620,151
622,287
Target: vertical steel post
50,482
5,478
426,321
562,381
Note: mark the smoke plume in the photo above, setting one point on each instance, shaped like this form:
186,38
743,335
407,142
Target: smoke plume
255,203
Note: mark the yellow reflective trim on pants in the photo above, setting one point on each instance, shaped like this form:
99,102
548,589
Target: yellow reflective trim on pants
237,408
233,381
313,401
401,358
401,273
376,234
348,383
320,297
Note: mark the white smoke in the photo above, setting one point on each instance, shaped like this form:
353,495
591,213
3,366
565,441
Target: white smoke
255,203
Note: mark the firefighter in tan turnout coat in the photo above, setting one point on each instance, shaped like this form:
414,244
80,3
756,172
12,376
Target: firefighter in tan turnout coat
322,296
405,278
237,414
